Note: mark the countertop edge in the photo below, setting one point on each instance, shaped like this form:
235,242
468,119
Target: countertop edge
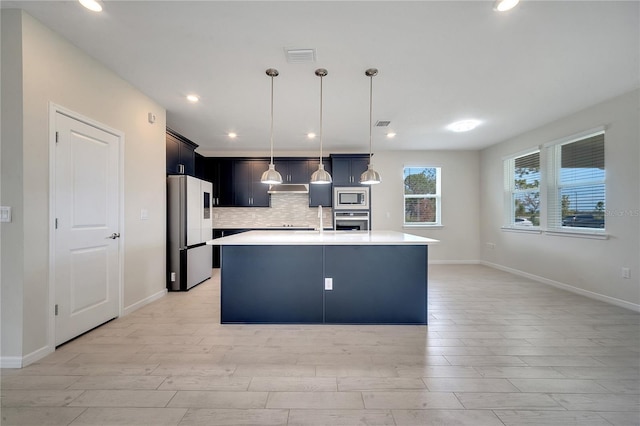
297,238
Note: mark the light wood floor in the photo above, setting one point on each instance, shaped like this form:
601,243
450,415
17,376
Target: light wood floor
499,350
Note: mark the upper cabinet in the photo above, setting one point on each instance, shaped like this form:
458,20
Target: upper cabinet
293,170
218,171
181,154
320,194
236,181
347,168
247,188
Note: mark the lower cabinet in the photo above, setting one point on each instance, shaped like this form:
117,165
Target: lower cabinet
219,233
364,292
258,291
286,284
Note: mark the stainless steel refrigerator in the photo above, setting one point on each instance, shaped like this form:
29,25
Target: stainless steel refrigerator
189,227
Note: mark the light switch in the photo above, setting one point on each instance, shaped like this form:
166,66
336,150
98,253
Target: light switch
5,214
144,214
328,283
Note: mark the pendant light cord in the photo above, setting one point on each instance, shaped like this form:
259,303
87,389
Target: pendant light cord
320,119
271,120
370,116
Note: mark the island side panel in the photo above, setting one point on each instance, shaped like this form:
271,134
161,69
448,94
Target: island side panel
376,284
271,284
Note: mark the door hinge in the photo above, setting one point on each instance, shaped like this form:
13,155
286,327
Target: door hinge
57,137
56,310
56,225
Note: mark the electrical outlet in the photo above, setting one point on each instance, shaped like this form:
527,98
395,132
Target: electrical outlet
625,273
173,276
144,214
491,246
328,283
5,214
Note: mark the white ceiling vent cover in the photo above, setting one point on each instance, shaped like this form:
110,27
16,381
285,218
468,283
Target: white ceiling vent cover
300,56
382,123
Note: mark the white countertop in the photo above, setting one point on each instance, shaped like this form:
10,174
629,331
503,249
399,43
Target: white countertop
284,238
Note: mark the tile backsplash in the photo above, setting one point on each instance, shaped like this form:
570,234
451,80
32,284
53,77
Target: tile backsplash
286,209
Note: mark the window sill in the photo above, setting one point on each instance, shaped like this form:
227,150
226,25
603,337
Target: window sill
594,235
437,226
523,230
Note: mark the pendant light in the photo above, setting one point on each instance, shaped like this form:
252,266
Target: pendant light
271,176
321,176
370,176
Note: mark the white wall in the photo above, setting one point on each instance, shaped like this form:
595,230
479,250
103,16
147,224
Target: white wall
459,234
55,71
11,194
588,265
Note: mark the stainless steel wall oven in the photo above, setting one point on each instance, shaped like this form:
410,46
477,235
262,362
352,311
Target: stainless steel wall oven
345,220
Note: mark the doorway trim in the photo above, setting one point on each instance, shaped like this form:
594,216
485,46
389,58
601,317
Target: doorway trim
54,109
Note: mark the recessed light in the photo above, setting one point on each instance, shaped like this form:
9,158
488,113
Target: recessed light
193,98
232,135
504,5
311,135
391,135
463,125
92,5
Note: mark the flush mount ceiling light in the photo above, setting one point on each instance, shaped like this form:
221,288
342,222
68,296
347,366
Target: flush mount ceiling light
92,5
504,5
321,176
391,135
463,125
271,176
193,98
370,176
232,135
311,135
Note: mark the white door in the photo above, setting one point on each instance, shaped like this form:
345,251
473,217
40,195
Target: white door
86,258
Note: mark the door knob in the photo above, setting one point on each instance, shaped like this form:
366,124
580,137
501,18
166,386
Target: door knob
114,236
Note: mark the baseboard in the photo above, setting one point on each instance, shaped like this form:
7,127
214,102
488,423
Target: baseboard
20,362
590,294
36,355
454,262
10,362
143,302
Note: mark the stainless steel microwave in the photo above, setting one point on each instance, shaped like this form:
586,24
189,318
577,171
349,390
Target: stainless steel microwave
351,198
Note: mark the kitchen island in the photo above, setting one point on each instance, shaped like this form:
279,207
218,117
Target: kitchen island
339,277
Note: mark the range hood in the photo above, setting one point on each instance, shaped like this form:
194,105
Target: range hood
289,188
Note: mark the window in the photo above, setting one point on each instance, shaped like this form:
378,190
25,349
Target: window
522,190
577,184
421,196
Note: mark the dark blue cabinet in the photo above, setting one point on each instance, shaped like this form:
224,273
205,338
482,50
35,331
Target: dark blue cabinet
320,194
265,292
366,290
248,191
348,168
286,284
293,171
181,155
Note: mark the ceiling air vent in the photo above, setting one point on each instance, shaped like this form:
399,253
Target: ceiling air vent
300,56
382,123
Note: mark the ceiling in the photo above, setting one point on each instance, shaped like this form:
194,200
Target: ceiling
438,61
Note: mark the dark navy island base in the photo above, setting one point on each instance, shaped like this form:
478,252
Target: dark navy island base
285,284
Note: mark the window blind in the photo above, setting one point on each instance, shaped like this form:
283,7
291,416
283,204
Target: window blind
577,183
